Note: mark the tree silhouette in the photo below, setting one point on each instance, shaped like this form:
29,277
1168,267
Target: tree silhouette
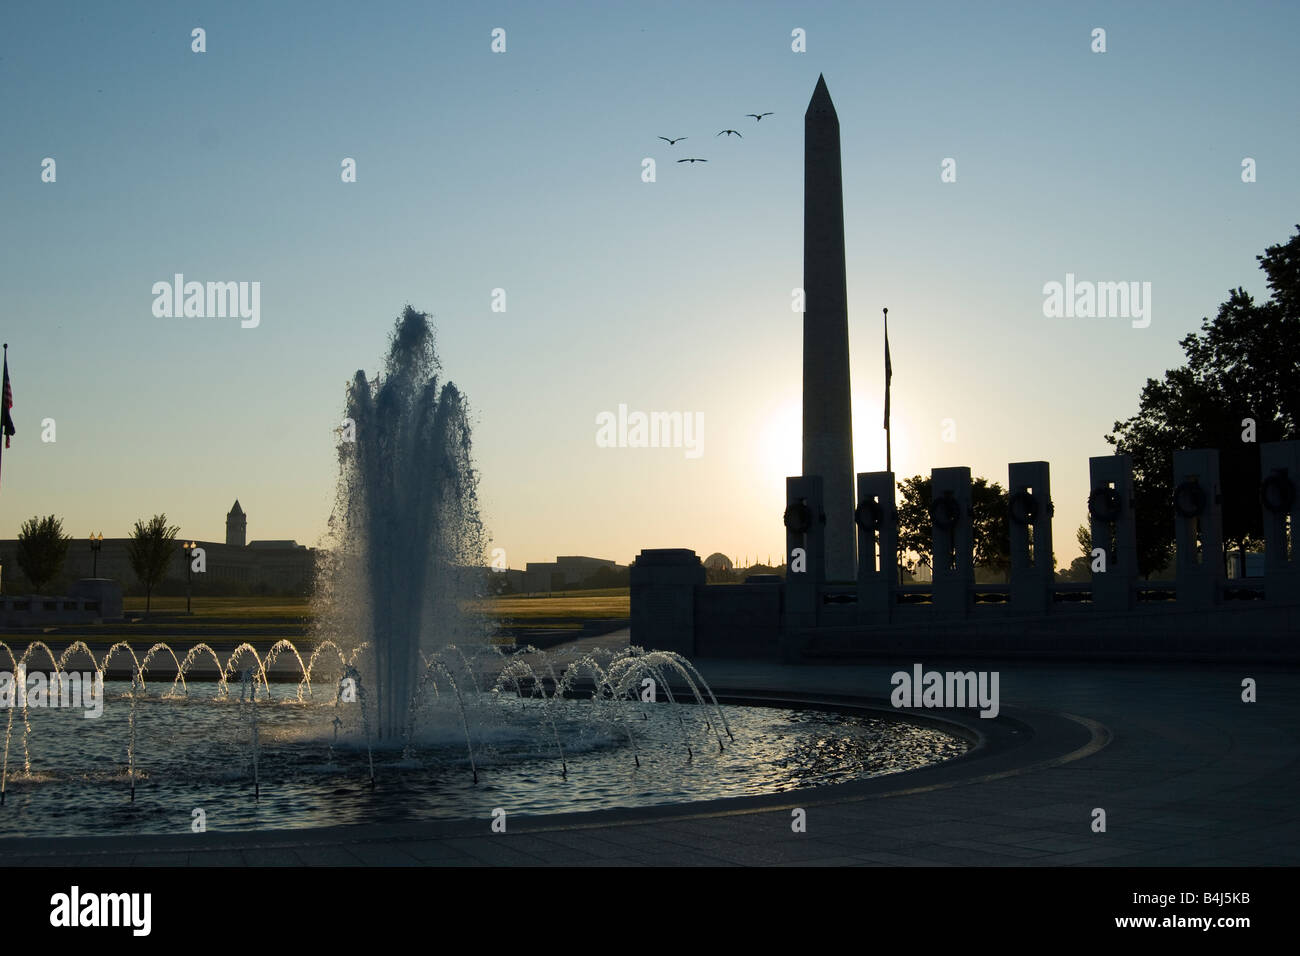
1080,568
42,548
1241,368
150,550
992,534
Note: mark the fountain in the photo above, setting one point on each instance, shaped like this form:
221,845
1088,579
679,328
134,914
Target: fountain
407,539
404,703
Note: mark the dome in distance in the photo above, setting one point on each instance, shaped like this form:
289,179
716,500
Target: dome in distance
717,561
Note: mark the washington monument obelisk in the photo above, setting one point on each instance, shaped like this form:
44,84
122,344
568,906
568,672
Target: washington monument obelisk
827,402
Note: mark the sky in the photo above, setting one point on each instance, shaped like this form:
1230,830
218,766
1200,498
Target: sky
522,171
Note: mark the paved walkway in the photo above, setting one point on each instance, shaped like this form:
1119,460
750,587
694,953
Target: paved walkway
1187,773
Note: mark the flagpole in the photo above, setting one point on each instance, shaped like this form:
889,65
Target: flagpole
889,455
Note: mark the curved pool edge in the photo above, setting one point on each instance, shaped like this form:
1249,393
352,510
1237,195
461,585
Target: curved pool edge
1018,741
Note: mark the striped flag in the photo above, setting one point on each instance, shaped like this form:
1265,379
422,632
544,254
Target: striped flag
6,420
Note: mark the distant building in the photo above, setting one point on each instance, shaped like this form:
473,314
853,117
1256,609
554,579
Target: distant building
1254,564
564,572
236,526
275,566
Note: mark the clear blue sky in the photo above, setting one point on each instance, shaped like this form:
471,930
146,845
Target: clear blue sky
522,171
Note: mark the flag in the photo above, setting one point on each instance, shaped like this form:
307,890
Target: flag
889,372
6,403
6,420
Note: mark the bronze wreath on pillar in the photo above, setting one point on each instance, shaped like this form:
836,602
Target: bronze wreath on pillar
869,515
798,518
1104,504
945,512
1189,499
1024,507
1277,493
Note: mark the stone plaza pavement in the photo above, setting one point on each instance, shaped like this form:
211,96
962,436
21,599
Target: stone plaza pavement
1188,774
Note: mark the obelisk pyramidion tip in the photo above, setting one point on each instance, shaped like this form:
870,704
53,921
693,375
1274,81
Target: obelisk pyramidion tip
821,99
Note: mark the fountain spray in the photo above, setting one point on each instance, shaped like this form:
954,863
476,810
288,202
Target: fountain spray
250,684
408,543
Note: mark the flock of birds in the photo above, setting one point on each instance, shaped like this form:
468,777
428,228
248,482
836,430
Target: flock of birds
758,118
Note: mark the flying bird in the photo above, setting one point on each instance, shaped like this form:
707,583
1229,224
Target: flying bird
670,142
731,132
692,160
758,117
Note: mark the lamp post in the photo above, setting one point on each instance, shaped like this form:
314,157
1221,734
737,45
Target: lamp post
188,547
95,544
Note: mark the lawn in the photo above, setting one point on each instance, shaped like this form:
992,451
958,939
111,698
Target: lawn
292,609
548,595
240,618
558,609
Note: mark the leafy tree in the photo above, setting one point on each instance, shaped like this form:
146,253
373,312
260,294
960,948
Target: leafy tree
42,549
151,547
1080,568
1241,365
992,534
